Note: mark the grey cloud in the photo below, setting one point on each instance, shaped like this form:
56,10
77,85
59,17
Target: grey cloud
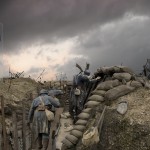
26,22
48,58
70,67
126,44
34,70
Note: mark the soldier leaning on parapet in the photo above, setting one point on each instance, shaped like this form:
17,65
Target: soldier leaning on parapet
39,120
79,91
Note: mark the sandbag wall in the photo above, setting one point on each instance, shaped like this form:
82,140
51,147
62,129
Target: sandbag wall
117,81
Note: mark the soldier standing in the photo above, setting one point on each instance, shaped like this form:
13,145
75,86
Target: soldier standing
79,91
38,118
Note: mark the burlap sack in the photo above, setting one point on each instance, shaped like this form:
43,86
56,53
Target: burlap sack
96,98
76,133
98,92
91,104
83,116
87,110
114,69
125,69
135,84
109,70
67,143
122,76
90,137
79,127
118,92
72,138
81,122
107,85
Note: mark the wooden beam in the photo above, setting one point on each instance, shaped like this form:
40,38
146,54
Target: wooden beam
15,133
3,124
24,124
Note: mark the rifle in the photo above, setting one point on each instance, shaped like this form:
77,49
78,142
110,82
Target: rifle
54,134
91,87
79,67
87,66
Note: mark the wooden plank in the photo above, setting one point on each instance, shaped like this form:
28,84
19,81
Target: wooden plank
3,124
100,123
15,133
0,136
54,126
24,125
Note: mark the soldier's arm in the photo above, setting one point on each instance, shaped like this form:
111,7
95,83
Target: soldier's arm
54,102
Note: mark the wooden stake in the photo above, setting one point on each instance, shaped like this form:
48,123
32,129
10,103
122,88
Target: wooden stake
15,131
3,124
24,125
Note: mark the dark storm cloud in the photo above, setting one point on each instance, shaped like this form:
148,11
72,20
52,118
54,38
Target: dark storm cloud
27,22
124,42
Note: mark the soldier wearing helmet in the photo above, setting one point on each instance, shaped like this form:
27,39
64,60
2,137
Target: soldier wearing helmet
79,91
38,118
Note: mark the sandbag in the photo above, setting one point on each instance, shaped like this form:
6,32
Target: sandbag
117,92
96,98
122,76
107,85
67,143
87,110
125,69
98,92
135,84
76,133
90,137
109,70
79,127
91,104
81,122
140,79
83,115
114,69
72,138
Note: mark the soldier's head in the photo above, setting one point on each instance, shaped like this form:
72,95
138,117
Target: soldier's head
43,91
87,72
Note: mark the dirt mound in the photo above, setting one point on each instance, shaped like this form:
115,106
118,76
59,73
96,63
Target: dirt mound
16,89
138,106
124,132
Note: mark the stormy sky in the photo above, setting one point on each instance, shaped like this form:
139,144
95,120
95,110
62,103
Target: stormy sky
55,34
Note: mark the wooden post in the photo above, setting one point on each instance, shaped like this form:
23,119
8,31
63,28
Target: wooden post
0,136
23,125
3,124
15,131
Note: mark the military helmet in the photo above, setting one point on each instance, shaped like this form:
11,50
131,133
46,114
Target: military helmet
43,91
87,72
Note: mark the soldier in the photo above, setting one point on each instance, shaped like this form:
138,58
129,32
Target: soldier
38,118
79,91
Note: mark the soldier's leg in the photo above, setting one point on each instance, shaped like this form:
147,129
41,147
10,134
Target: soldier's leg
40,141
45,141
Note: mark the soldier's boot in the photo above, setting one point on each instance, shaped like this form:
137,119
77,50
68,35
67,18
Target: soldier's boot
45,144
40,142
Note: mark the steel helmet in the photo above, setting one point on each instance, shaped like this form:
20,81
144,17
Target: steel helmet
87,72
43,91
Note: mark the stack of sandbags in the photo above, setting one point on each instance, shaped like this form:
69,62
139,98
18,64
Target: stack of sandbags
120,84
72,138
111,70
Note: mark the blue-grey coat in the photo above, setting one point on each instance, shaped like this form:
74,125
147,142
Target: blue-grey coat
40,123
